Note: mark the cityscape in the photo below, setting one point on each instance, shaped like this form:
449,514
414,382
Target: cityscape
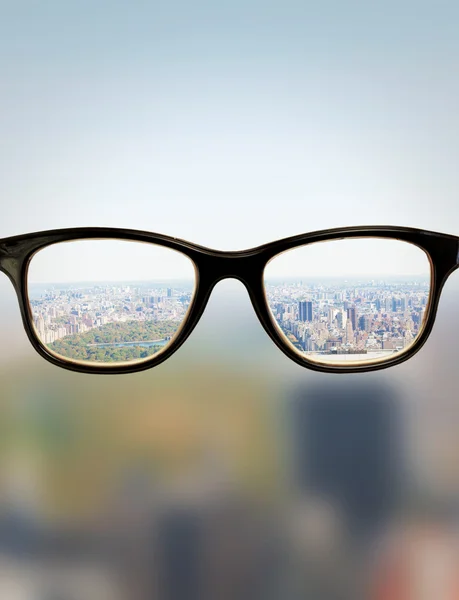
335,320
349,320
109,322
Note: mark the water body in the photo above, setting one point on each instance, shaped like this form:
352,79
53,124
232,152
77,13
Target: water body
145,344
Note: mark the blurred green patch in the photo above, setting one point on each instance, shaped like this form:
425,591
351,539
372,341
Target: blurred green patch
80,438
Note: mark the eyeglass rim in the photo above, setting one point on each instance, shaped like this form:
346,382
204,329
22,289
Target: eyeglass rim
211,266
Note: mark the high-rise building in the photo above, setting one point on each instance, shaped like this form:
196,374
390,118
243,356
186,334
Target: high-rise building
40,324
305,311
421,317
352,317
349,331
408,338
341,319
332,311
347,448
365,323
279,310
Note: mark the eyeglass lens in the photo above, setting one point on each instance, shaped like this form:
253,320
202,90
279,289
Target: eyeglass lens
108,301
349,300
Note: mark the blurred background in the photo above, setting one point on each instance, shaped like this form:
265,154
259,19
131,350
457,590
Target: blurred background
229,471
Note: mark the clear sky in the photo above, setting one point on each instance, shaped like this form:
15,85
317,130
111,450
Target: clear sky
352,258
228,123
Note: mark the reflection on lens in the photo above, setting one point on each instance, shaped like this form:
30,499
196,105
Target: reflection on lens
108,301
350,300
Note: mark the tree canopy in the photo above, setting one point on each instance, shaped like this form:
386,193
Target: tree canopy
83,346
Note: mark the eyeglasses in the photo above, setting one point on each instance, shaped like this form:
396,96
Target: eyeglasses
100,300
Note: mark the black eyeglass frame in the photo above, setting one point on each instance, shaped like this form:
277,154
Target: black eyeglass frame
212,266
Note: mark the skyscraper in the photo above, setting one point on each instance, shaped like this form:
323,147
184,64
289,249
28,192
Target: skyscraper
40,324
421,317
332,312
403,303
349,331
352,317
305,311
365,323
347,448
341,318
